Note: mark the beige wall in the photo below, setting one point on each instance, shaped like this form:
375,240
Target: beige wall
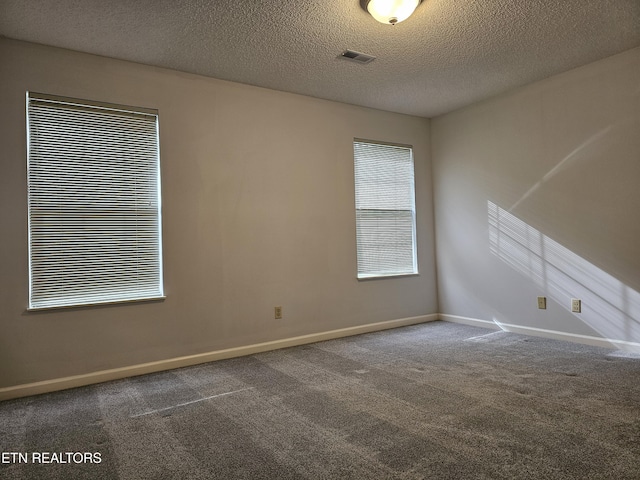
258,211
537,192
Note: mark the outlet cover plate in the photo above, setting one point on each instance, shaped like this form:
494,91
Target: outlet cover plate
576,305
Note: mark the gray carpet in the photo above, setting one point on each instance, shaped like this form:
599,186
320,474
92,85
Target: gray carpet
437,400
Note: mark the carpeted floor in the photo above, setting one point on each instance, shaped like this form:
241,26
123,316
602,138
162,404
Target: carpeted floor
434,401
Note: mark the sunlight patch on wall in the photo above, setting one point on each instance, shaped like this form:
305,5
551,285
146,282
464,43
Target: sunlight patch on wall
608,306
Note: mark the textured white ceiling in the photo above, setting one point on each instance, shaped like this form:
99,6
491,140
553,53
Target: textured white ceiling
450,53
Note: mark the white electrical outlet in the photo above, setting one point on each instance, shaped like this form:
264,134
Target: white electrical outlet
576,305
542,303
278,313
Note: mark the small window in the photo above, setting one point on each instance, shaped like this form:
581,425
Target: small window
385,210
94,203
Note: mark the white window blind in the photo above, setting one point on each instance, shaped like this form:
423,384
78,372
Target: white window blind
94,203
385,210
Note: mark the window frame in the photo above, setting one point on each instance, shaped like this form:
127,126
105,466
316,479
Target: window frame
151,290
414,241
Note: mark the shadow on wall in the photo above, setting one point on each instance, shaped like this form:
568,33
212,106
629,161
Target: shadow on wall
608,306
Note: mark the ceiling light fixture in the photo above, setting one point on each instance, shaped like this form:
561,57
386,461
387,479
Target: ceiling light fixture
391,11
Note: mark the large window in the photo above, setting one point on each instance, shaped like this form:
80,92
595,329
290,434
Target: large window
385,210
94,203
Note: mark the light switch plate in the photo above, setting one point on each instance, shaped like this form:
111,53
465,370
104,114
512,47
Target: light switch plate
542,303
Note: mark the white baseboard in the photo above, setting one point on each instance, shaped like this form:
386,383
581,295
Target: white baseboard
53,385
474,322
633,347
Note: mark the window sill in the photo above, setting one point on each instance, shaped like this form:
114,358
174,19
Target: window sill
388,275
110,303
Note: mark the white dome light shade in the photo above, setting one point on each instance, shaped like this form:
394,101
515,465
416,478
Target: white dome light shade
391,11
